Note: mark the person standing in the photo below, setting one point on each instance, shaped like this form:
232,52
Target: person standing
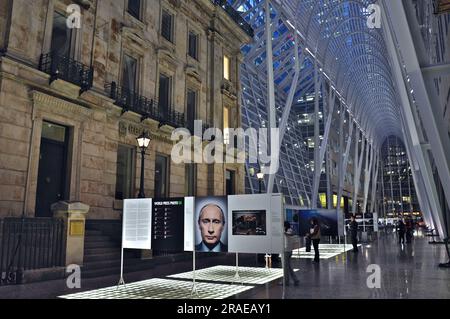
315,238
354,233
288,248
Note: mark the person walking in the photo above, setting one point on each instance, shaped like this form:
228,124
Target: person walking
315,238
409,230
354,233
401,231
289,244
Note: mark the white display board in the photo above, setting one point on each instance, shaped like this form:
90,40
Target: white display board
189,203
137,224
267,238
375,222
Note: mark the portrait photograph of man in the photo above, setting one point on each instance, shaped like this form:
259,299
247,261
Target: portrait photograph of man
211,232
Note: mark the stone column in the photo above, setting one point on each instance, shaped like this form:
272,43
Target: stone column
74,216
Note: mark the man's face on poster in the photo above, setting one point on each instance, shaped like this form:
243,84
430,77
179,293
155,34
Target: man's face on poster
211,223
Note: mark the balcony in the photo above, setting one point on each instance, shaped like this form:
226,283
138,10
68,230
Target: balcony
61,67
191,127
236,16
148,108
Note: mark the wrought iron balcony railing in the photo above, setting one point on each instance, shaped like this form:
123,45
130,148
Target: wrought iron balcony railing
171,117
442,6
67,69
235,15
130,100
191,127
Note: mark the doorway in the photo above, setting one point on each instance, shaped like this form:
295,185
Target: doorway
52,174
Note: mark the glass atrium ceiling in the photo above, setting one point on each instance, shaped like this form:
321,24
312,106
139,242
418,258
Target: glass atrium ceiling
348,52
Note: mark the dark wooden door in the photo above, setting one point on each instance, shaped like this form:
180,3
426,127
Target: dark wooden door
51,176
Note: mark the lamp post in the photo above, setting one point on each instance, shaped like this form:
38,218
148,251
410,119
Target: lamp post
143,142
260,177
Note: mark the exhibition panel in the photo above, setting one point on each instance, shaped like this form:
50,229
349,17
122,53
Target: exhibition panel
137,224
257,223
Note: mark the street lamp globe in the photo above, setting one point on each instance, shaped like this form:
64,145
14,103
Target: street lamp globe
260,177
143,141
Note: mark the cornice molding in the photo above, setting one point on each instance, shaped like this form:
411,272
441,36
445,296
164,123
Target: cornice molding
56,105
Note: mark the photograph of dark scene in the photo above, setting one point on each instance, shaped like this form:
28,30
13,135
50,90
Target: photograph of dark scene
249,223
327,221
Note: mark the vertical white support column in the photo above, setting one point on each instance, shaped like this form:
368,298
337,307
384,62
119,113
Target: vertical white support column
323,146
288,106
411,208
271,111
341,171
404,44
367,175
382,190
355,169
358,173
400,183
317,165
346,157
328,172
390,178
375,182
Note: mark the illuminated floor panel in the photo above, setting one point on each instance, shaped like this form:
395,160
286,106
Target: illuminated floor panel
162,289
327,251
252,276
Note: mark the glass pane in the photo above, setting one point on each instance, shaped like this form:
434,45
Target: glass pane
161,181
53,132
166,26
164,93
190,179
193,45
134,8
124,173
226,125
61,36
226,67
230,183
191,109
129,73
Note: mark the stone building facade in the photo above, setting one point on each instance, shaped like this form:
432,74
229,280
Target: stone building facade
69,119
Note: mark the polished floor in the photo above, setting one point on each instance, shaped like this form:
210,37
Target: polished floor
406,271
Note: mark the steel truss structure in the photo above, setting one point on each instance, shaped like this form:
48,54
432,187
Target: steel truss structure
372,62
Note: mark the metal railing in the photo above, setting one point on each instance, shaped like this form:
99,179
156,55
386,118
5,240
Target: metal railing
442,6
171,117
29,244
130,100
191,127
67,69
236,16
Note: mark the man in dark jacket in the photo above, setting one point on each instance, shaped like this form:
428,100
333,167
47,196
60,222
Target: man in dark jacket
354,233
401,231
315,234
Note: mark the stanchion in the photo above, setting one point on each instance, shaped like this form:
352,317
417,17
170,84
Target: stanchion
237,277
194,291
121,280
